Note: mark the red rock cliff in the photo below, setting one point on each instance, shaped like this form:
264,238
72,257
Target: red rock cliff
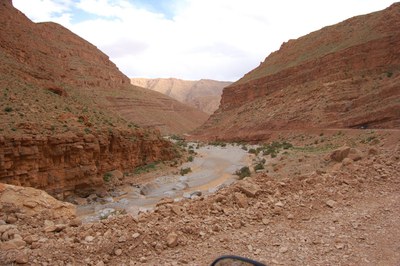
70,161
51,55
345,75
55,133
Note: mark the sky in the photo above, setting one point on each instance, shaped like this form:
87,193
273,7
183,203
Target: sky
193,39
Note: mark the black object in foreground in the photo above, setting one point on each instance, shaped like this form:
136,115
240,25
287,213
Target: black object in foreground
231,260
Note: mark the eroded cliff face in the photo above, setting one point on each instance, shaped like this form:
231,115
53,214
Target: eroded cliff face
58,128
342,76
47,56
63,163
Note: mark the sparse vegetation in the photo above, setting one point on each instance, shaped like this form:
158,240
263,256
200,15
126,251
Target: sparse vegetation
8,109
217,143
370,140
190,159
243,172
316,149
176,137
182,143
258,166
145,168
275,147
185,171
253,151
107,177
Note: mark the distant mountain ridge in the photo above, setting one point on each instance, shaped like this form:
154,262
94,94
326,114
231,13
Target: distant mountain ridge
342,76
204,94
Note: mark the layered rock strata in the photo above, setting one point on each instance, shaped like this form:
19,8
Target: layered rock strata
342,76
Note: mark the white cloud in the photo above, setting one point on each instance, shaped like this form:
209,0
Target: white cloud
218,39
45,10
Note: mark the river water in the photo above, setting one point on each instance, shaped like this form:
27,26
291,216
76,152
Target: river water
212,168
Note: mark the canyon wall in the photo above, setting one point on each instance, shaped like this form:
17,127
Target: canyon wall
59,129
64,163
342,76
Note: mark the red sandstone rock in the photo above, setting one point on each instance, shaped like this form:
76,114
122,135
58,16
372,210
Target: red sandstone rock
18,197
68,162
49,57
342,76
64,144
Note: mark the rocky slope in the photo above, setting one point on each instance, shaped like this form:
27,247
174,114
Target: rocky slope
203,94
309,206
151,109
48,56
342,76
58,130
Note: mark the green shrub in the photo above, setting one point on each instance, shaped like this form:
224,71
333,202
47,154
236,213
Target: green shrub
217,143
243,172
177,137
258,166
181,143
8,109
275,147
190,159
107,177
145,168
253,151
185,171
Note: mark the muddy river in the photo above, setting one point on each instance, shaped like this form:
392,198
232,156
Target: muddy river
212,168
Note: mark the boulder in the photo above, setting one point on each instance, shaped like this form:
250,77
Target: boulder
249,188
31,201
341,153
241,200
148,188
355,154
172,240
